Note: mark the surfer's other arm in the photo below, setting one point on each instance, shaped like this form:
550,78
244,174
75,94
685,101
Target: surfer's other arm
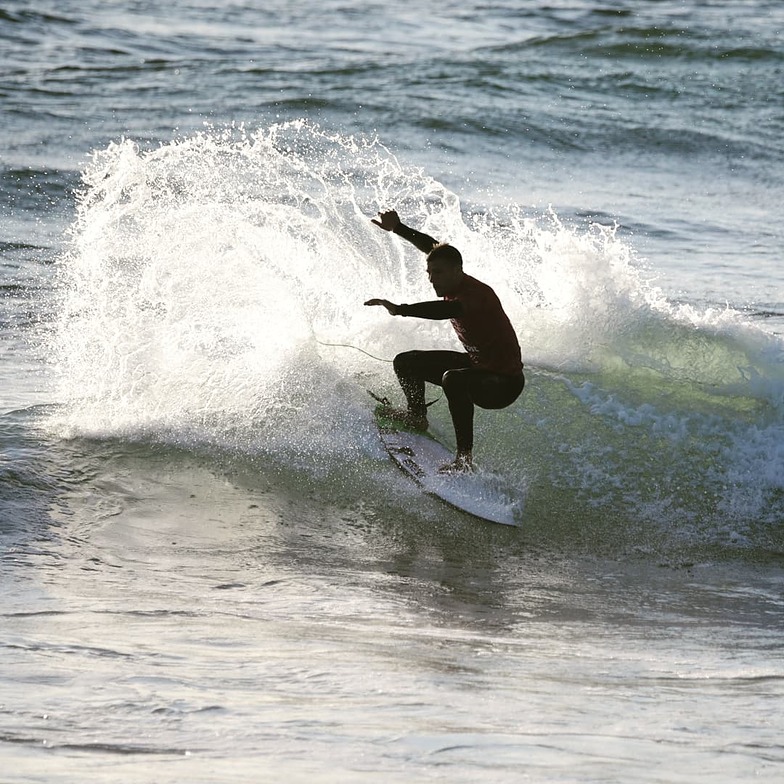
390,221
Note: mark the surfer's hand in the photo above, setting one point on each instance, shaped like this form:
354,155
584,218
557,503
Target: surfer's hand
389,220
390,306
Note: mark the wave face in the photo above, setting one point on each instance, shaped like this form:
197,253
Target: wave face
212,296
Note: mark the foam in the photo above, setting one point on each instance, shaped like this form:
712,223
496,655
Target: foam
205,278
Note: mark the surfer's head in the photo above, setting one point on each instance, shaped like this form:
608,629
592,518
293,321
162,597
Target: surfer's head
445,269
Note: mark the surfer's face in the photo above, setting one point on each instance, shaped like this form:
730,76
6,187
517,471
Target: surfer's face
444,276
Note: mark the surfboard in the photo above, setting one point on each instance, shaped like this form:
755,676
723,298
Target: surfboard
420,455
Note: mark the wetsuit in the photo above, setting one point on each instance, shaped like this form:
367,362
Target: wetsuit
490,372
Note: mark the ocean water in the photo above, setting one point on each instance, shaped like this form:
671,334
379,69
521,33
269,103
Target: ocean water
210,570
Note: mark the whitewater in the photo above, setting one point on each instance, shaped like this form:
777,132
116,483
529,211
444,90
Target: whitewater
212,296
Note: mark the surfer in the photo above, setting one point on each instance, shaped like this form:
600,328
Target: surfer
488,374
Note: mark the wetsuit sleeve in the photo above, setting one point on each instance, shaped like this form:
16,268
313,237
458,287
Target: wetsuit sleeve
418,239
438,309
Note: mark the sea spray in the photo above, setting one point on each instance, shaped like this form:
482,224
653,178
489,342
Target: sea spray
213,292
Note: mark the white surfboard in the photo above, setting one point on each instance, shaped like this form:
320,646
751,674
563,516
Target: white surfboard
420,456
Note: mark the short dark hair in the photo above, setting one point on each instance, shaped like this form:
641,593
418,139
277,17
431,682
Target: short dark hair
446,252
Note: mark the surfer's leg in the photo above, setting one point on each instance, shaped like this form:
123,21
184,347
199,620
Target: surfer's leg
414,368
493,390
457,388
466,387
412,382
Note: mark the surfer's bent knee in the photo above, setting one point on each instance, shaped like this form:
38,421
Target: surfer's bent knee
404,361
454,380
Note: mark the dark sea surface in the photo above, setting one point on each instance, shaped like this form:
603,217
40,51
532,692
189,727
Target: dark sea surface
211,571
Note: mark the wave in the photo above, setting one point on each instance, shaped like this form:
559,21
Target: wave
212,294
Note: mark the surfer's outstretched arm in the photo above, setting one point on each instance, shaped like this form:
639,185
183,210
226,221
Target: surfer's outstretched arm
438,309
392,309
390,221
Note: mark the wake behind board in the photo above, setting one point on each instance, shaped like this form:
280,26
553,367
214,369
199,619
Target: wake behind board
420,456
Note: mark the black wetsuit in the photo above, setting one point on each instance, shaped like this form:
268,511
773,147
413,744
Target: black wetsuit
490,372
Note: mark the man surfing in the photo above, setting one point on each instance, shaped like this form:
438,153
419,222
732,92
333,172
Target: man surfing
489,374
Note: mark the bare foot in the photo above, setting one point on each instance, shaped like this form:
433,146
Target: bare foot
406,418
462,464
